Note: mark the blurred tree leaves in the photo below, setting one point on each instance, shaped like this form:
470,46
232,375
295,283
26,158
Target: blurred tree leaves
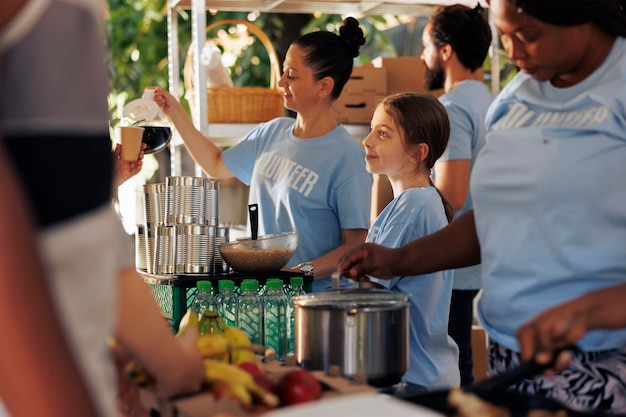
137,36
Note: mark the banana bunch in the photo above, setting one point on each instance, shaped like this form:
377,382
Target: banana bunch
241,348
241,384
214,346
212,343
189,320
218,343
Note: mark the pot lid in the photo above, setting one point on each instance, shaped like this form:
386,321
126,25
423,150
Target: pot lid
344,299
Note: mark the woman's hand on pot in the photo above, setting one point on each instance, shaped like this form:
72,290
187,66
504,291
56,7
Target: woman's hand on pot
368,259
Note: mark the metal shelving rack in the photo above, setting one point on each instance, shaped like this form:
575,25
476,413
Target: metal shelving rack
227,134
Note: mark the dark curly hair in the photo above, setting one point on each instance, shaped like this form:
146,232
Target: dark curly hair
332,55
465,29
610,15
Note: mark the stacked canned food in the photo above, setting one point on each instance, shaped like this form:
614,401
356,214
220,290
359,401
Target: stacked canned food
181,230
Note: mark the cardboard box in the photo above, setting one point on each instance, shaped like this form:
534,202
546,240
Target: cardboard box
366,78
357,108
366,86
369,83
479,353
404,73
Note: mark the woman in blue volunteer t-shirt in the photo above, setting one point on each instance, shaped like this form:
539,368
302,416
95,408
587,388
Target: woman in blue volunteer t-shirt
307,174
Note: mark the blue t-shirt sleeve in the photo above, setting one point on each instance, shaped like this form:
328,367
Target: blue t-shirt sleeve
241,157
411,215
461,133
394,236
353,200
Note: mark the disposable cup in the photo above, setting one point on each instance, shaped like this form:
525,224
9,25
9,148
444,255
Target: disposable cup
130,137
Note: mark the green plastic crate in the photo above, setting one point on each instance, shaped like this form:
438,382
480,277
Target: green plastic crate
175,293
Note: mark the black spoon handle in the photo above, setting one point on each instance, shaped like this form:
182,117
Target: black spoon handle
253,211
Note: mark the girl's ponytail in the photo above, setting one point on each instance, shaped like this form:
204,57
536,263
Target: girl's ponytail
446,205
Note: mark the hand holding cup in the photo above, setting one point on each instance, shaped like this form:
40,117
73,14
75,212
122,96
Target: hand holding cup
130,138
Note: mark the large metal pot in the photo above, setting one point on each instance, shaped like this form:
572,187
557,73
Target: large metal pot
362,331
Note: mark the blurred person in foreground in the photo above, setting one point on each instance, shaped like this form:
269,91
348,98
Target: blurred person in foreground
54,126
34,355
548,222
306,173
456,41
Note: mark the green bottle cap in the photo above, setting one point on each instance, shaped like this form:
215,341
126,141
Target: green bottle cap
246,285
274,284
296,281
226,284
204,285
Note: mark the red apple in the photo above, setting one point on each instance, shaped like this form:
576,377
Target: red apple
250,367
299,386
264,381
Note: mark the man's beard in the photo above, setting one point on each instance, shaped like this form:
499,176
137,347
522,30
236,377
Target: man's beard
434,78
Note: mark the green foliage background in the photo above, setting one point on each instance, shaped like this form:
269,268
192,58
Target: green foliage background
137,36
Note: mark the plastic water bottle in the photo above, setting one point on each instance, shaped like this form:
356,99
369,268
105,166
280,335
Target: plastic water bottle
238,289
249,311
275,317
260,288
295,288
227,301
204,299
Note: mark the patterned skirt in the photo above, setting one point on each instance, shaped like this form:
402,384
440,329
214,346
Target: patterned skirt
594,380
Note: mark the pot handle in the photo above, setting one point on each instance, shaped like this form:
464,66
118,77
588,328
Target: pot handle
335,278
350,348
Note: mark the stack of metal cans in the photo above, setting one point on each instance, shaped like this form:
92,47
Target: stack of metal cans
181,230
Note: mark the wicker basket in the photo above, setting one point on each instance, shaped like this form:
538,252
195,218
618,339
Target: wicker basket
242,104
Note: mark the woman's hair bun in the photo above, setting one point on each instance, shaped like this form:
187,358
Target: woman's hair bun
352,36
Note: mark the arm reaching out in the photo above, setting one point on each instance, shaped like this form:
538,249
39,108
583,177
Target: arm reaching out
203,151
176,364
454,246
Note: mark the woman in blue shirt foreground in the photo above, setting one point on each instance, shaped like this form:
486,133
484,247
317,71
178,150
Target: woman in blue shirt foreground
548,223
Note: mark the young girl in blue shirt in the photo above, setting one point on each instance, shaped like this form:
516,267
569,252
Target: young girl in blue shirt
409,132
